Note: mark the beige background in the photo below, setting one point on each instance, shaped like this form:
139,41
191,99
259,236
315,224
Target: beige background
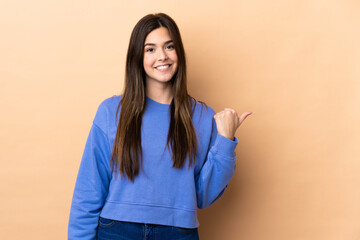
295,64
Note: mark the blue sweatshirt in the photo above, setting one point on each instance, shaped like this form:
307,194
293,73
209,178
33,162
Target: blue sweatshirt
160,193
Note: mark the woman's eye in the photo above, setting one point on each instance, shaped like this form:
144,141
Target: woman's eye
171,47
149,50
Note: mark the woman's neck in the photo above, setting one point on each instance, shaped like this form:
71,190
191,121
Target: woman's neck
161,93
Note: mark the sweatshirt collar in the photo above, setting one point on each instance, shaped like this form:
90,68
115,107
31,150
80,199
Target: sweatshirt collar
156,105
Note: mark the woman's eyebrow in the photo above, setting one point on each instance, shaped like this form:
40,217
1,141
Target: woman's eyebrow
153,44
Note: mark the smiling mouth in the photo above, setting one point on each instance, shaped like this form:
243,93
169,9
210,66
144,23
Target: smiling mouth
162,67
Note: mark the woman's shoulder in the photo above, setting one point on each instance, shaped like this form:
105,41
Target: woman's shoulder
203,118
107,110
110,101
202,107
109,105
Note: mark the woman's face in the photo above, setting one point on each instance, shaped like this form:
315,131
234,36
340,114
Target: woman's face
160,59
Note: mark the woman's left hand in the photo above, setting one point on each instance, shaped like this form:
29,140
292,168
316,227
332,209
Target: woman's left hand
228,121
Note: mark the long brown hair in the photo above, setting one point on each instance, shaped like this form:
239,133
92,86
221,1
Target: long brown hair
127,153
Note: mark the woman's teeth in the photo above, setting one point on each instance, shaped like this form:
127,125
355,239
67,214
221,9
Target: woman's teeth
162,67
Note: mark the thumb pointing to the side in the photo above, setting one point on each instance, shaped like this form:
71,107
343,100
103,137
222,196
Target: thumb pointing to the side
244,116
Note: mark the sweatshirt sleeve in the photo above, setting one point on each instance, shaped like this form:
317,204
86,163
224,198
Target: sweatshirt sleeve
217,170
91,186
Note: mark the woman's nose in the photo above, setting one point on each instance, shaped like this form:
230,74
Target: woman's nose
162,54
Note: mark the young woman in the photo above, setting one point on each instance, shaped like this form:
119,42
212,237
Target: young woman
154,154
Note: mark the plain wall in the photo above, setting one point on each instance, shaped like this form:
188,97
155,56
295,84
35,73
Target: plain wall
295,64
